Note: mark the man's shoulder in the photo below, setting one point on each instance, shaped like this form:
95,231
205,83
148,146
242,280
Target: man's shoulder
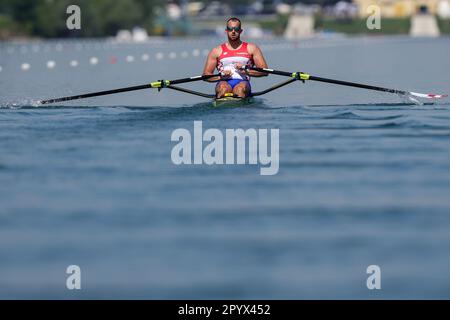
251,47
217,50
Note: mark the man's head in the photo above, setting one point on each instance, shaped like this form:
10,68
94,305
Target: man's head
234,29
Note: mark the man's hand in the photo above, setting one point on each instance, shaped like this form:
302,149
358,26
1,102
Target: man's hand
226,74
240,68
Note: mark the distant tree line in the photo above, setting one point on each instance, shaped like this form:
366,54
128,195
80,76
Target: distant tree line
47,18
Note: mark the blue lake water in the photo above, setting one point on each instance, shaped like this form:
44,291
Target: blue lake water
364,177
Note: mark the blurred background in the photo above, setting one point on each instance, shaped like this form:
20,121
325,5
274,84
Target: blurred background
264,18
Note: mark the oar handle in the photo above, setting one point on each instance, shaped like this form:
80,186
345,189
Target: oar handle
192,79
280,73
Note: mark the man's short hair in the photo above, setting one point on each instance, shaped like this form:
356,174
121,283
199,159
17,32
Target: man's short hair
236,20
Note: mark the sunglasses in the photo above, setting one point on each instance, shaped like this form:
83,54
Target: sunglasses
237,29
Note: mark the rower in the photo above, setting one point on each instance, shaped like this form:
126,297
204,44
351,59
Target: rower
230,58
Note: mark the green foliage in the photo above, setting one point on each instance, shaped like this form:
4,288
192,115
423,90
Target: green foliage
444,25
47,18
7,27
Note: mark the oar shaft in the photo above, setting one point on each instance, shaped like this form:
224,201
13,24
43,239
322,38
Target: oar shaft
304,76
278,72
96,94
156,84
356,85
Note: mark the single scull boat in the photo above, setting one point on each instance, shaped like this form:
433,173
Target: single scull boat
229,99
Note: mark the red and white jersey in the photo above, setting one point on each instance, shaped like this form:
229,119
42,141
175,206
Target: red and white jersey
228,58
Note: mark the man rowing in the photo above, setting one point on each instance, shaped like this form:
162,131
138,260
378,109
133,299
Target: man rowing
230,58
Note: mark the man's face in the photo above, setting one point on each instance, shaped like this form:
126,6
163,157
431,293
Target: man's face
233,30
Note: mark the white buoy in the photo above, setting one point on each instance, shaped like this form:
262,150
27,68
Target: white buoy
74,63
172,55
160,56
93,61
51,64
25,66
184,54
145,57
129,59
1,69
195,52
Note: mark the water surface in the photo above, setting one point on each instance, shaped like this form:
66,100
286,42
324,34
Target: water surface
364,179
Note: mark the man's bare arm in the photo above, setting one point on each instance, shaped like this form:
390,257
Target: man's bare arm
258,59
211,64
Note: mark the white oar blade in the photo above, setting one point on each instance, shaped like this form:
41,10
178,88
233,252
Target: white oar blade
428,95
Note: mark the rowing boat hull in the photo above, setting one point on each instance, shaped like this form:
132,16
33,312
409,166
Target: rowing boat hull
231,101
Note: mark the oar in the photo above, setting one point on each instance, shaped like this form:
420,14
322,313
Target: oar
157,84
304,76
